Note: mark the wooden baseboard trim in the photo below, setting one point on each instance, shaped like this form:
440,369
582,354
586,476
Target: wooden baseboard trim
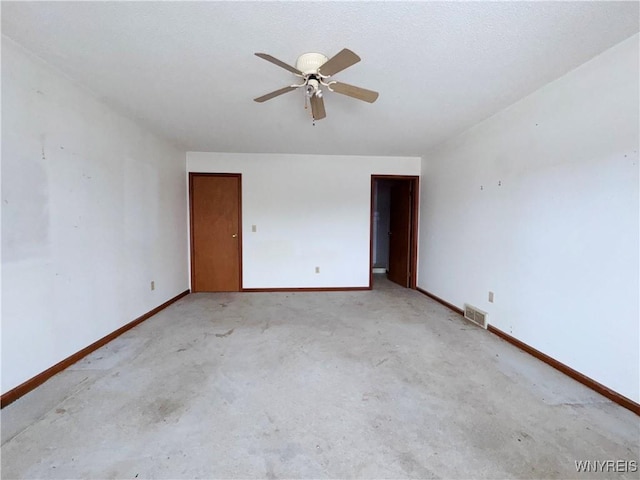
24,388
589,382
450,306
311,289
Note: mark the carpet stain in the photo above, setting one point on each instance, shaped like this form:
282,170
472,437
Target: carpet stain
266,327
381,362
159,410
226,334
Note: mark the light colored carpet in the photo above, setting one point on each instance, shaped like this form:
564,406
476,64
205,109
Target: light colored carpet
374,384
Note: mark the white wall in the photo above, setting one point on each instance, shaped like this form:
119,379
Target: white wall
309,210
93,209
558,240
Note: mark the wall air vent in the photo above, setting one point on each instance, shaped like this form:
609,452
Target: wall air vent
476,316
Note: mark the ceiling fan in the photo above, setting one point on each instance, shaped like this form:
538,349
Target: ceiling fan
315,69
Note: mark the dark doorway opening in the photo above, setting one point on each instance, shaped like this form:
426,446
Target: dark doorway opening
394,228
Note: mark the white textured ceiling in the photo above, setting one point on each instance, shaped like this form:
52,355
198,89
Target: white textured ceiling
187,69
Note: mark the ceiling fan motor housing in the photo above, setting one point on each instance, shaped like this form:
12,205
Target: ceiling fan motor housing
309,63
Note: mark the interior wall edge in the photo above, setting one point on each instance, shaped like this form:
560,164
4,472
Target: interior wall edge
516,219
561,367
92,216
34,382
116,108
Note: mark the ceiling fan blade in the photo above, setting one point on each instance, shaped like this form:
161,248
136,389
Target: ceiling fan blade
280,63
355,92
343,59
317,107
271,95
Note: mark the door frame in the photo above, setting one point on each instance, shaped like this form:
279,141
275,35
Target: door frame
415,205
191,256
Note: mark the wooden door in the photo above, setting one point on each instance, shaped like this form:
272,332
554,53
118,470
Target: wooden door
215,232
400,232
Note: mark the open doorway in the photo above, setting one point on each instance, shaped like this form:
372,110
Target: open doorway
394,228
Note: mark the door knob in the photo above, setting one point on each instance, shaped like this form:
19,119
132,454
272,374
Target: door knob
234,235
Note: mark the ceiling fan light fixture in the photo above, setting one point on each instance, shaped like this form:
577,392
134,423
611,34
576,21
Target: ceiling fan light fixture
309,63
312,88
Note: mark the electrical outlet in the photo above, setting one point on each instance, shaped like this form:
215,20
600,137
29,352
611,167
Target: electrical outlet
317,269
490,297
153,285
254,228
